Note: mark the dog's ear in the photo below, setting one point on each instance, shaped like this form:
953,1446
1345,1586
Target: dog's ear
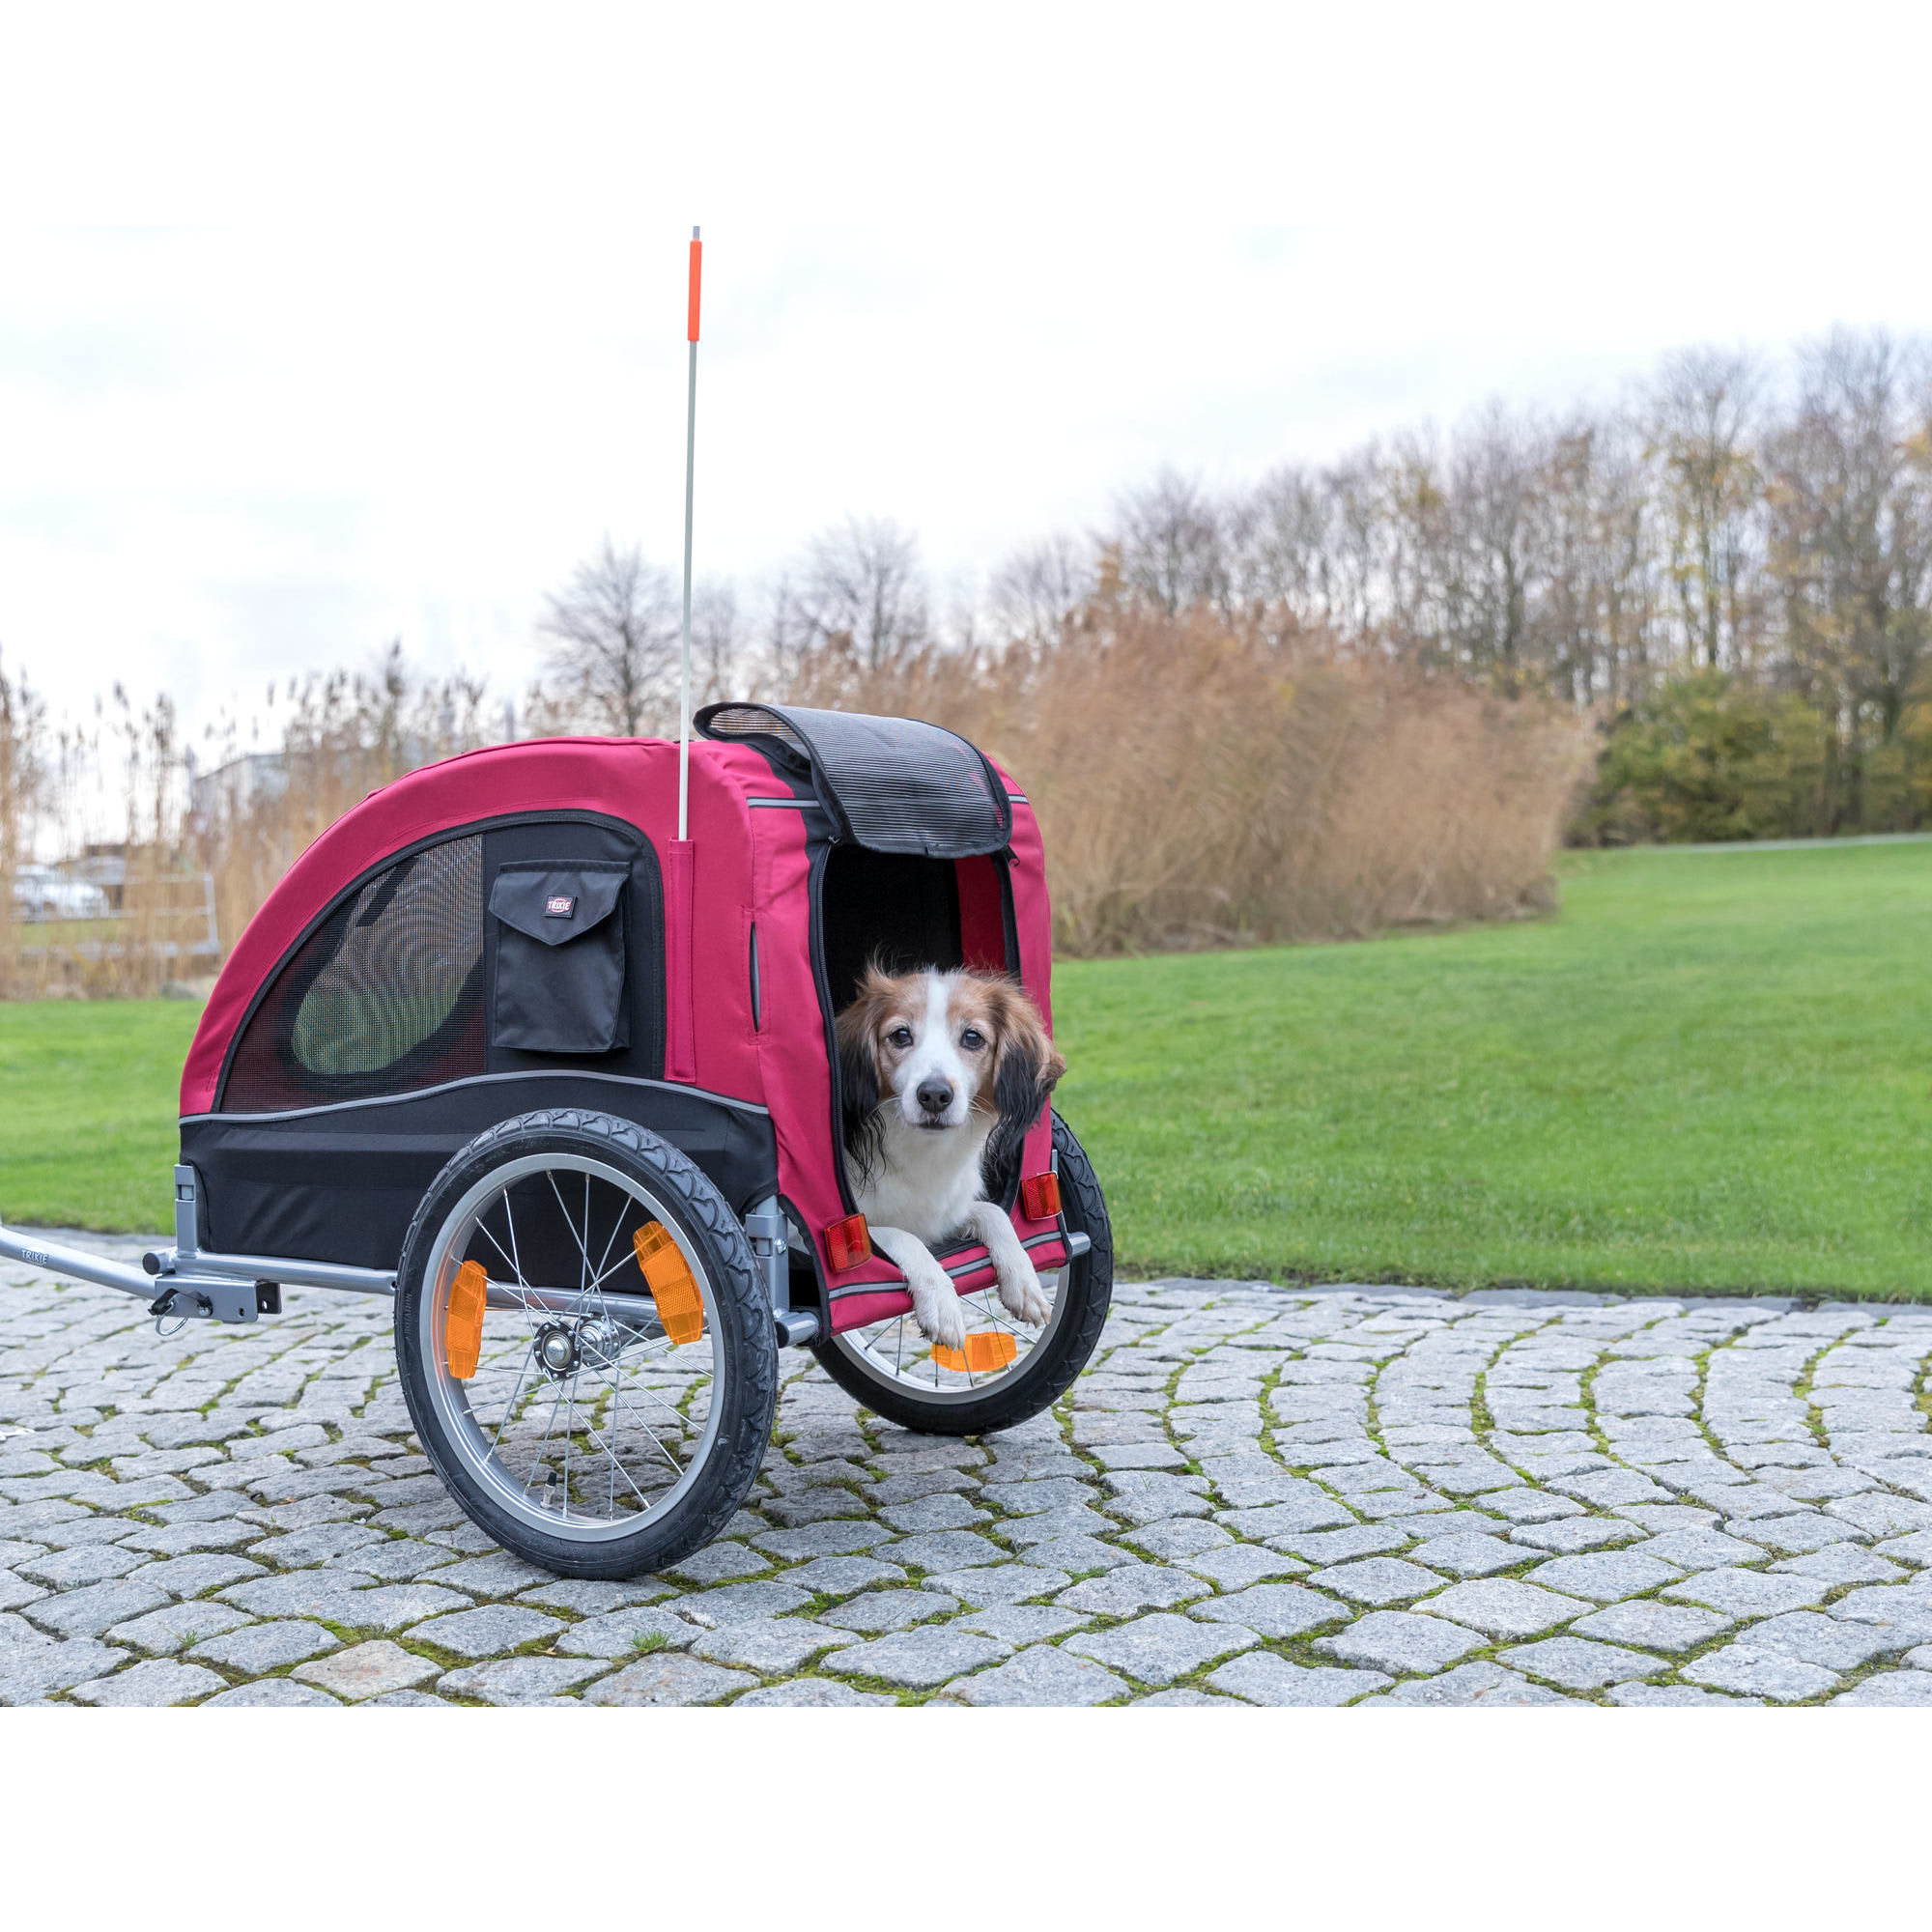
857,1030
1023,1081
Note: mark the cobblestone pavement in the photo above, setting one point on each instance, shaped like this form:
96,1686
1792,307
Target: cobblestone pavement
1254,1495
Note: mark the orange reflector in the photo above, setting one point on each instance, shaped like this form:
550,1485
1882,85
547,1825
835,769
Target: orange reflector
848,1243
1039,1196
983,1353
680,1302
462,1319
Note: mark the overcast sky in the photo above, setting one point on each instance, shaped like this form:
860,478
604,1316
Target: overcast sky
307,345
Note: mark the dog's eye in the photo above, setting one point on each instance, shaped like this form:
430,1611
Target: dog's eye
972,1040
900,1035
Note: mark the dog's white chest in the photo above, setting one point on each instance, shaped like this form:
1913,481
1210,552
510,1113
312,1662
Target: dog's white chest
926,1181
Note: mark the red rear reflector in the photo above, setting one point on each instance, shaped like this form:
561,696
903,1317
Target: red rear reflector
848,1243
1039,1196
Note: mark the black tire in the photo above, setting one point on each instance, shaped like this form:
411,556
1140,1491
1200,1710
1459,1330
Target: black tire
1049,1368
742,1385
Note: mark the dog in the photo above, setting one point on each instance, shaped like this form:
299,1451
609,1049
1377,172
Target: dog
943,1073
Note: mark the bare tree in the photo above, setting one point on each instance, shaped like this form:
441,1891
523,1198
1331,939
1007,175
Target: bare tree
1037,590
613,657
1173,548
1704,409
862,591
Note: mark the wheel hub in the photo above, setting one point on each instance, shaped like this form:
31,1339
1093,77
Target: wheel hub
555,1349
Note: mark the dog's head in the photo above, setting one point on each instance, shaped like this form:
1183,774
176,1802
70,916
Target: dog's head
938,1049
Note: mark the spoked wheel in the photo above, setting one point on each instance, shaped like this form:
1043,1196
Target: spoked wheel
585,1348
1006,1370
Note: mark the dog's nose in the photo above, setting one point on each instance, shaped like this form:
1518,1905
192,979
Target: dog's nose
934,1095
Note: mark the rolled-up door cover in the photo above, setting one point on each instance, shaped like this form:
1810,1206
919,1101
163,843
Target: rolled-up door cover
560,959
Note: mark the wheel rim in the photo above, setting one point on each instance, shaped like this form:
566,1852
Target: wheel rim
583,1418
894,1354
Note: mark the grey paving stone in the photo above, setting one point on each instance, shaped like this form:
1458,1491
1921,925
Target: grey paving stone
84,1613
486,1632
1043,1676
301,1547
1143,1455
298,1594
29,1672
1130,1588
733,1603
1580,1665
1835,1643
1077,1553
1021,1623
1157,1649
1054,1525
1501,1607
876,1611
822,1539
499,1574
1669,1695
1470,1555
1890,1689
368,1670
586,1597
1903,1609
193,1576
1761,1672
1260,1677
1002,1584
1241,1564
1604,1576
1337,1545
842,1575
74,1569
1745,1593
163,1632
770,1645
534,1680
921,1659
273,1693
393,1607
721,1562
1572,1535
157,1682
1400,1642
810,1694
1034,1499
1377,1580
626,1633
946,1510
262,1647
1469,1684
1274,1610
1649,1625
1839,1563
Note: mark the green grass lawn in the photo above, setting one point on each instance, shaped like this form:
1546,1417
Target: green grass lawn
89,1092
1710,1070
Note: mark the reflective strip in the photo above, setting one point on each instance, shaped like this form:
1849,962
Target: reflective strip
482,1079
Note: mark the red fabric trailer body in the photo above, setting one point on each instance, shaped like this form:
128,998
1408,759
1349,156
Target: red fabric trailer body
520,927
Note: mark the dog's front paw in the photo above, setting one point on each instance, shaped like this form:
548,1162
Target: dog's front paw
1022,1296
936,1311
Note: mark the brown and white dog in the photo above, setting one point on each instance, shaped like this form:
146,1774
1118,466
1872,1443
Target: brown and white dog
943,1074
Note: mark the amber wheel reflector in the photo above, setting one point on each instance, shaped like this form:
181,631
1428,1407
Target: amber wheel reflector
463,1321
982,1354
674,1287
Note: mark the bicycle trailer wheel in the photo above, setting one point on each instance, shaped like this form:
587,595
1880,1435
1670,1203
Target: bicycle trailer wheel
585,1345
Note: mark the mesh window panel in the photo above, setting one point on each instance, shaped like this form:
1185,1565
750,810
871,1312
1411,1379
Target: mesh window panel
386,996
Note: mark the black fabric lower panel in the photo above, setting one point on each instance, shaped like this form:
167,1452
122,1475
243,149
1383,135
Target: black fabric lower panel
343,1183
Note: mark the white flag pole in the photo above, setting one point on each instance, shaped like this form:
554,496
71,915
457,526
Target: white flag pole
690,475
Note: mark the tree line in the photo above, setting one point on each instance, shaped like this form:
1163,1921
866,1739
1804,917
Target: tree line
1730,569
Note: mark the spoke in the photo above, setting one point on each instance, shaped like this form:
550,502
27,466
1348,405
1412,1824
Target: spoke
617,1403
522,1376
537,1459
510,1222
551,1177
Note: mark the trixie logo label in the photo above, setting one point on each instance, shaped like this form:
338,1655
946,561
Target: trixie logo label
558,906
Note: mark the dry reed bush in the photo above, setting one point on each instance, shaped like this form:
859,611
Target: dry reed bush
1200,786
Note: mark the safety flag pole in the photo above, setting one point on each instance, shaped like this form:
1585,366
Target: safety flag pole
690,475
